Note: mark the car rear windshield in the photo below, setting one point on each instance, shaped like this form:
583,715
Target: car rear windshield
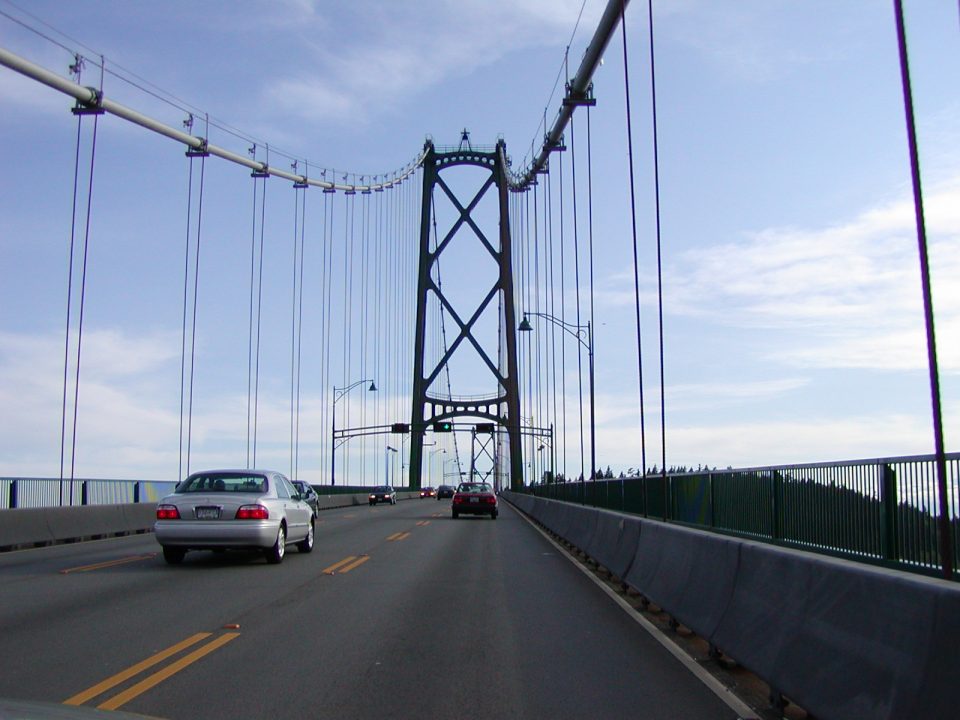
224,482
474,488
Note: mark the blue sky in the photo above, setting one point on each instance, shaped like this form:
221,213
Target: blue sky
793,327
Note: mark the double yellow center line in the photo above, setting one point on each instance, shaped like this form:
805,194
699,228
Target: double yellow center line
346,565
156,678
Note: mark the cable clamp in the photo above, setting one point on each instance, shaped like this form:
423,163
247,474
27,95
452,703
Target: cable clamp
579,99
91,106
200,150
263,172
554,146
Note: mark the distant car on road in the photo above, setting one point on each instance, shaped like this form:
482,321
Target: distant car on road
308,494
427,492
234,509
383,493
445,491
475,499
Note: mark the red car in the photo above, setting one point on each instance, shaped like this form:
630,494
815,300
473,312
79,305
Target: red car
475,499
428,492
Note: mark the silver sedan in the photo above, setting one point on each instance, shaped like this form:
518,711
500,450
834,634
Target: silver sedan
234,509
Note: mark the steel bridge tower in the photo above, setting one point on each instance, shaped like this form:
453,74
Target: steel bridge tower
431,407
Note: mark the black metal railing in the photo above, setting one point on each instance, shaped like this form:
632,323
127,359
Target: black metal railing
883,511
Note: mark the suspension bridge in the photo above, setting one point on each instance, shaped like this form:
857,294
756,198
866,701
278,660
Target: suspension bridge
432,324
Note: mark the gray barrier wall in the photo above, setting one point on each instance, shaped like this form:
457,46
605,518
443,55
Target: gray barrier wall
28,527
843,640
32,527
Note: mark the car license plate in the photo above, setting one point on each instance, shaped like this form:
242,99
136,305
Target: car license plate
473,500
208,513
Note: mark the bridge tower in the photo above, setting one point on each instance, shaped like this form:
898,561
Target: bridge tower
435,406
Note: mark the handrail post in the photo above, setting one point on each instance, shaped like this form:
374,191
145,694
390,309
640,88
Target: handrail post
888,507
776,482
13,493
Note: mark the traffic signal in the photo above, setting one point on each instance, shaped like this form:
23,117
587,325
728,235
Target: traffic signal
442,426
400,428
485,428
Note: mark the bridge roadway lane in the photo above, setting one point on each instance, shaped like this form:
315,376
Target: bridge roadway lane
458,619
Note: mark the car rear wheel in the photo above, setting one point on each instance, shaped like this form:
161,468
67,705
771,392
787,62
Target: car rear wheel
494,514
306,545
173,555
275,554
455,514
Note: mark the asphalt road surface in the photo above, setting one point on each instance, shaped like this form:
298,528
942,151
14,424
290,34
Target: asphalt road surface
399,612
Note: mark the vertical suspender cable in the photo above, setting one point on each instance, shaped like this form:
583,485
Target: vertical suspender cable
328,237
576,283
183,329
250,334
593,324
563,319
552,309
83,290
193,335
303,232
944,522
256,364
363,270
66,348
636,262
656,187
293,326
347,305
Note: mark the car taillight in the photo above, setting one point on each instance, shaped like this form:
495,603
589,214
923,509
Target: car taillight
167,512
252,512
458,498
373,497
491,500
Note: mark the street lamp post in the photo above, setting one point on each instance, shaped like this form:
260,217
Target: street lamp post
430,464
386,465
337,394
577,331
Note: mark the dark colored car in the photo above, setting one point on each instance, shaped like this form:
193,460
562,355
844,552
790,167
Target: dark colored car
383,494
445,491
475,499
308,494
427,492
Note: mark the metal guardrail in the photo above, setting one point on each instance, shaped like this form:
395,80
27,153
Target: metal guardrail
53,492
882,511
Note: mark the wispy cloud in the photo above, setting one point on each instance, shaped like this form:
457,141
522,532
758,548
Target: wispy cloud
849,293
402,49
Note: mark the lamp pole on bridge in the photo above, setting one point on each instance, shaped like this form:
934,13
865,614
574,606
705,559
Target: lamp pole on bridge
584,336
386,465
337,394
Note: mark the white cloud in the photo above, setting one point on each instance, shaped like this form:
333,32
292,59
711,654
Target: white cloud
405,48
849,293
